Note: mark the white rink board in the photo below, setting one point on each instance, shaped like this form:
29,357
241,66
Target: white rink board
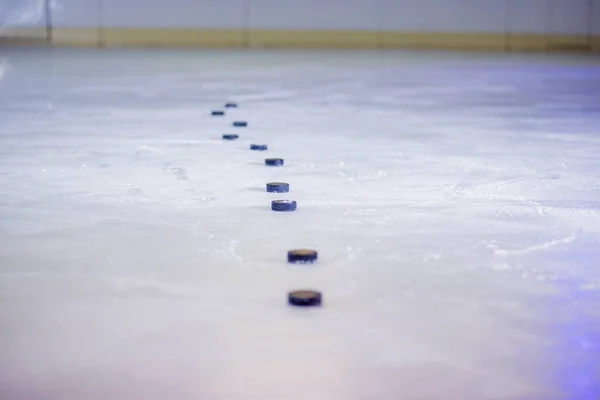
454,201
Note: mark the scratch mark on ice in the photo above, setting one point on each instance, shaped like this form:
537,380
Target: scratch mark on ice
233,253
543,246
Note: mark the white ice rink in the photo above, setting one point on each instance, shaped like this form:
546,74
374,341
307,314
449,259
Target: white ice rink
454,201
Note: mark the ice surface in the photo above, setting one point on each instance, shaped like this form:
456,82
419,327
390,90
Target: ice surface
454,200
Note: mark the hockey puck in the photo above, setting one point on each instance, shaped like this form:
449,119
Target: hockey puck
278,187
230,136
240,124
283,205
305,298
274,162
218,113
302,256
259,147
231,105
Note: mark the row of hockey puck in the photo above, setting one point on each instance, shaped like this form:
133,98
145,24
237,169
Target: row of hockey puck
274,187
302,297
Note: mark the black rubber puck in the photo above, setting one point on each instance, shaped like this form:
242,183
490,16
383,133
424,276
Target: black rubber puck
278,187
302,256
305,298
230,136
231,105
240,124
218,113
259,147
274,162
283,205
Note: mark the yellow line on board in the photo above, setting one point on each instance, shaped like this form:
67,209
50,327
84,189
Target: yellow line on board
334,39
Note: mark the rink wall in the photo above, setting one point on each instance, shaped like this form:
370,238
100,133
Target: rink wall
500,25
